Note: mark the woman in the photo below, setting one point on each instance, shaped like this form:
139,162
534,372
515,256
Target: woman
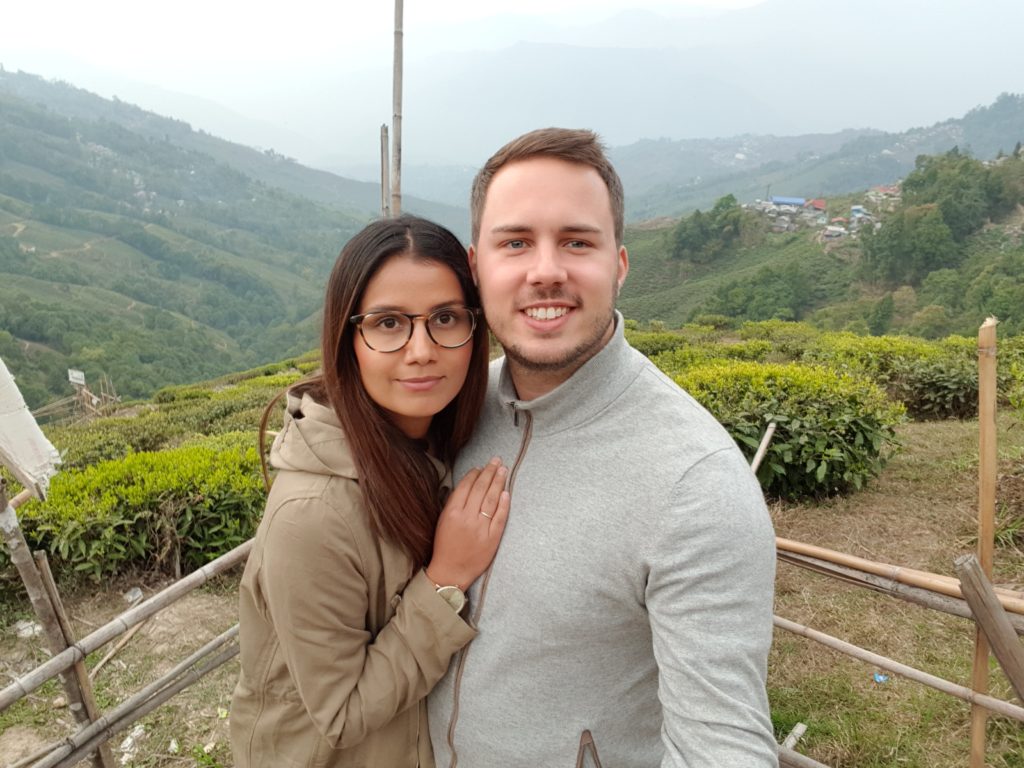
343,629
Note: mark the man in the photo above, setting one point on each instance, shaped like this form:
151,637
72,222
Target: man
627,617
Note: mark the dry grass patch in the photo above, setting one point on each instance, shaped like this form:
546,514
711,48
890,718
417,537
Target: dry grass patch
920,513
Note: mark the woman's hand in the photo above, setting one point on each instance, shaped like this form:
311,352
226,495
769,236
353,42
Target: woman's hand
470,527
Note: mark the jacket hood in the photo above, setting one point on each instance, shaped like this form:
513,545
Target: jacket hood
312,440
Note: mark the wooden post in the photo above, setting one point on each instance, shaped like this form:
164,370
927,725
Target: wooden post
103,757
385,175
993,620
987,466
41,605
396,118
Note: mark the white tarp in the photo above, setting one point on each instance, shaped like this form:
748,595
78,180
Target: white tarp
24,449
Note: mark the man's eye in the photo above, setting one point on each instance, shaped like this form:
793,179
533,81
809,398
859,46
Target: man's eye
577,244
516,244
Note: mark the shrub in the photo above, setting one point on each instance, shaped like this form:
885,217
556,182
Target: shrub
112,438
834,430
170,511
934,380
651,343
787,337
683,358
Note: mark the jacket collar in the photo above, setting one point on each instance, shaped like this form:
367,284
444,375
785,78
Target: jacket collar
592,388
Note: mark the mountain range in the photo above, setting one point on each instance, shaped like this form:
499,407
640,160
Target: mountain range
137,246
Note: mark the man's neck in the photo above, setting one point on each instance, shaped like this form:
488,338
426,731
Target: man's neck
531,383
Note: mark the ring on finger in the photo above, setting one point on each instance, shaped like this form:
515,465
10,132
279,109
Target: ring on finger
486,515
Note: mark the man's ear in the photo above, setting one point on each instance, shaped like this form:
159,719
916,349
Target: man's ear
623,265
471,252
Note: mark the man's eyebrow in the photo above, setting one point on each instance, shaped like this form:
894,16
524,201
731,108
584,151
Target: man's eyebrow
567,229
510,229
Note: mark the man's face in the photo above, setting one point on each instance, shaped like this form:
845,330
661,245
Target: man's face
547,266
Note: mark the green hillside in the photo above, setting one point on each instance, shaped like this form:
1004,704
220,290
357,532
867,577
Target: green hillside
356,198
151,262
938,261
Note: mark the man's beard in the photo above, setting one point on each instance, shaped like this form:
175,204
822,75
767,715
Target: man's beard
569,359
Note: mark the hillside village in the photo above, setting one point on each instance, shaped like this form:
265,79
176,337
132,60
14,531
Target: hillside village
787,214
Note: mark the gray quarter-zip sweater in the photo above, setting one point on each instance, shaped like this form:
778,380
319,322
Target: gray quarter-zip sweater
632,593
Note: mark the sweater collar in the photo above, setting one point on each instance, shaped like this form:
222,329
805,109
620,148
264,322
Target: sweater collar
593,387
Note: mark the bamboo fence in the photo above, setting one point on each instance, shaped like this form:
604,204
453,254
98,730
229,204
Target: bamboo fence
997,612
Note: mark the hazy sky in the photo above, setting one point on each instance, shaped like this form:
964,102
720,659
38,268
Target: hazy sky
196,45
312,79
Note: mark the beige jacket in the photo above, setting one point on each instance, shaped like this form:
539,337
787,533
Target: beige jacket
340,642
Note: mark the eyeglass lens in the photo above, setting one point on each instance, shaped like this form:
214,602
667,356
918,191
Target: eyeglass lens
389,331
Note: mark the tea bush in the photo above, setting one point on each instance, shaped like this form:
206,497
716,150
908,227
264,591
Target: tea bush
651,343
169,511
678,360
934,380
834,430
787,337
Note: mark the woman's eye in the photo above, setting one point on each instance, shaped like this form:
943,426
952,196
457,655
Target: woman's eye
445,318
387,323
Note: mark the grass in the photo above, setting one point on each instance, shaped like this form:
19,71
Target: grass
919,513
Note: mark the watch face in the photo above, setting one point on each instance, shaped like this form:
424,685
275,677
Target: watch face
454,597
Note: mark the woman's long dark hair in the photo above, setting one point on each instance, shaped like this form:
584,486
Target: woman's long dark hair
398,480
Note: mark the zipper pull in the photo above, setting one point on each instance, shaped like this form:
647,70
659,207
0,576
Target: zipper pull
515,414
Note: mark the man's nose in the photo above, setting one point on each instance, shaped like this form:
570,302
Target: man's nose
548,266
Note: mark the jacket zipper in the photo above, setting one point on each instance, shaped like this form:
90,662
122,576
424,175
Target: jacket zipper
527,434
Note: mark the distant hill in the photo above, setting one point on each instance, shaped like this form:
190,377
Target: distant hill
669,178
358,198
135,255
664,177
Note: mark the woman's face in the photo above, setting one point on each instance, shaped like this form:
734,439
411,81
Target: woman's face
421,378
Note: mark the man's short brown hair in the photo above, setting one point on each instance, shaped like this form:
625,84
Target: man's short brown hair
573,146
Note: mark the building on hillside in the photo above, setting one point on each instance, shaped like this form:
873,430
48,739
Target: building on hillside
817,204
796,202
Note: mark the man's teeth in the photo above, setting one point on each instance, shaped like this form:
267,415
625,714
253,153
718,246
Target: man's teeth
546,313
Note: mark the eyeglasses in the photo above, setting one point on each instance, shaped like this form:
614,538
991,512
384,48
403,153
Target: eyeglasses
448,327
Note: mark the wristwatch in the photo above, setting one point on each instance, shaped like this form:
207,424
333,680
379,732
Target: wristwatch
454,596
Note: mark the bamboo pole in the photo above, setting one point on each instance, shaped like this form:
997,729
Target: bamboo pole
987,466
155,701
385,174
762,448
396,117
41,606
993,621
132,706
20,499
120,625
790,759
31,758
103,757
883,662
947,585
115,650
917,595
